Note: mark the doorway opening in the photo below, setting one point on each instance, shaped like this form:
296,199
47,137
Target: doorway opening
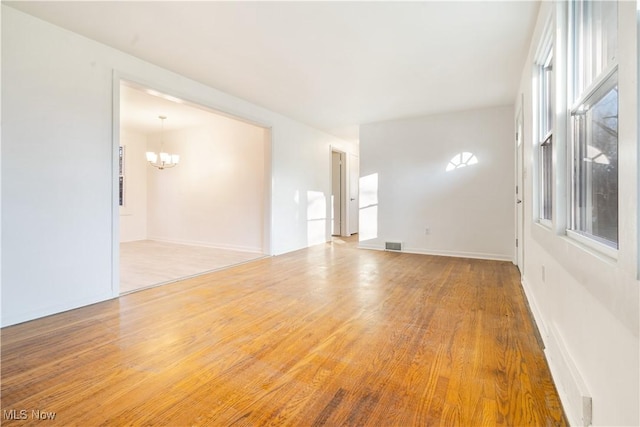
210,211
338,192
345,193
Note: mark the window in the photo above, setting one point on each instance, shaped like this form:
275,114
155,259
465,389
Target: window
461,160
596,165
121,175
595,41
594,121
546,177
545,120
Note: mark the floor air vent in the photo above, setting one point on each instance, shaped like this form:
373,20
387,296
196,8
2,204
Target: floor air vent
392,246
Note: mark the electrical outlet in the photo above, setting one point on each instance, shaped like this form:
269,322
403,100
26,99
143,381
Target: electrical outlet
427,231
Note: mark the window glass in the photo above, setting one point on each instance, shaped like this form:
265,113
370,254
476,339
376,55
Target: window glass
546,164
546,96
597,169
594,204
545,116
595,26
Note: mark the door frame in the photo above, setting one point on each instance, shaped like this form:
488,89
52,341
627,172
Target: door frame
119,78
353,196
344,225
519,199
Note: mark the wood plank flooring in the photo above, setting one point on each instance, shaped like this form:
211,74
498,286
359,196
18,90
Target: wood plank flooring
330,335
146,263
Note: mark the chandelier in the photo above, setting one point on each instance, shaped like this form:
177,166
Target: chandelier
162,160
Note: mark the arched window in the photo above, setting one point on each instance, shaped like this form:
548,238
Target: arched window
462,160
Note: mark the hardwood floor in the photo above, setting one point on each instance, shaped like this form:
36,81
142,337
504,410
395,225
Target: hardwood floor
330,335
146,263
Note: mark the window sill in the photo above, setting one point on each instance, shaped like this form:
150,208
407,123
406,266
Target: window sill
592,244
545,223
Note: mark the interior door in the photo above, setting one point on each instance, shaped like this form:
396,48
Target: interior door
336,193
354,193
519,187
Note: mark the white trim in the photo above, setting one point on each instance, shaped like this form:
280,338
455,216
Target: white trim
598,88
535,310
268,222
520,182
568,379
546,40
445,253
603,85
547,224
585,241
252,249
546,52
637,159
561,142
115,205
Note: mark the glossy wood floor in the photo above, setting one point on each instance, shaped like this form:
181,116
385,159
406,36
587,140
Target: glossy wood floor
147,263
330,335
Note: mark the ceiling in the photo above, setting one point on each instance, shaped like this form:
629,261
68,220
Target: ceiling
332,65
140,111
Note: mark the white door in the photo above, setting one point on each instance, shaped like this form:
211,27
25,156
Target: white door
519,196
336,193
354,193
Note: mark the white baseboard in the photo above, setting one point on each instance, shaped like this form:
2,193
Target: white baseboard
535,310
252,249
575,397
455,254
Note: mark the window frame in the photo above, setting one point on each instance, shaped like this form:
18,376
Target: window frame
603,86
546,110
583,94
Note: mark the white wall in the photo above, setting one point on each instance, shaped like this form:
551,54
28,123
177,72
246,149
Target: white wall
587,305
60,226
469,211
133,215
215,196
